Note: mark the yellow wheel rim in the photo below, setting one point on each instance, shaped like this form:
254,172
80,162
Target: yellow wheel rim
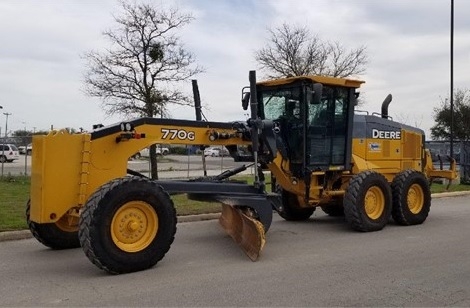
415,199
374,202
134,226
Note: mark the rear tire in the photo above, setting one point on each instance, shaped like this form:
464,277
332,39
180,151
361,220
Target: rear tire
411,198
127,225
3,159
333,210
57,235
368,201
291,210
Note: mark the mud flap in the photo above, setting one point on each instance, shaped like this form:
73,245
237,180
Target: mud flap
245,230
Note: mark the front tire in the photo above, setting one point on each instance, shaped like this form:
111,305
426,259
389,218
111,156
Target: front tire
127,225
368,201
60,235
411,198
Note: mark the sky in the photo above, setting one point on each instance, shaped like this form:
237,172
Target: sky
408,45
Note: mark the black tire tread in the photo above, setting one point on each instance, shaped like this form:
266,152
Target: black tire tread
400,211
88,223
353,201
291,210
50,235
333,210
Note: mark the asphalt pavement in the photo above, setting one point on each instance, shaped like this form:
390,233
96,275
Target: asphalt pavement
315,263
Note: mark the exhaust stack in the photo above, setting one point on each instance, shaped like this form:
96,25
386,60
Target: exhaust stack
385,104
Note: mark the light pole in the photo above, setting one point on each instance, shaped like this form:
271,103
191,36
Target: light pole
25,150
1,107
452,78
6,124
3,144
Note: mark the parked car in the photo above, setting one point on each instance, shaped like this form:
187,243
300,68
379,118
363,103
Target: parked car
26,149
216,151
8,153
146,152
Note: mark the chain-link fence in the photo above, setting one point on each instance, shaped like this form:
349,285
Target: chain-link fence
12,164
441,149
465,163
181,162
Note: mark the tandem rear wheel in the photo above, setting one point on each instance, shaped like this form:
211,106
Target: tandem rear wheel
291,209
368,201
411,198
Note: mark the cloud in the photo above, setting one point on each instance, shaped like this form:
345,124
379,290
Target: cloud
407,41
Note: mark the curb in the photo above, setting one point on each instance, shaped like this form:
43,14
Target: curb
15,235
26,234
199,217
450,194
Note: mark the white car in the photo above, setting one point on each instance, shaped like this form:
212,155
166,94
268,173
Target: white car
8,153
146,152
216,151
26,149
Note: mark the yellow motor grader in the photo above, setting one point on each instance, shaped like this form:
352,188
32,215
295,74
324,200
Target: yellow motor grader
303,130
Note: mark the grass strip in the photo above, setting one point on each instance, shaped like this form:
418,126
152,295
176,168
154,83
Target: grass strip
14,193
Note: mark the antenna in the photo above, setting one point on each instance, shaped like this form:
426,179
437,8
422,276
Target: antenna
452,78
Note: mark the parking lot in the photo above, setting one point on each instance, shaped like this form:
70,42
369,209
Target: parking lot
171,166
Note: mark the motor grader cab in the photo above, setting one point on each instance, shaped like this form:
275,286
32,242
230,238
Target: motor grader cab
302,129
362,165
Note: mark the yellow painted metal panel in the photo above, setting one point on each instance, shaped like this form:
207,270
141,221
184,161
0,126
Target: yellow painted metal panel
359,147
55,174
68,168
351,83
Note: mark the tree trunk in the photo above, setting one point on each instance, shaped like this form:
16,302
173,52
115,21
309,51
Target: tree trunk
153,162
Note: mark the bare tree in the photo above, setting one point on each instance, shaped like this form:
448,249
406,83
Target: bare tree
138,73
412,120
293,51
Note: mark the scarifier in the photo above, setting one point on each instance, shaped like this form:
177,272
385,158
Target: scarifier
304,130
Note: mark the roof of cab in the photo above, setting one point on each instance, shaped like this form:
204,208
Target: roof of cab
345,82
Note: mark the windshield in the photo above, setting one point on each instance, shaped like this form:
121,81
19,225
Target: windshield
332,108
313,135
281,102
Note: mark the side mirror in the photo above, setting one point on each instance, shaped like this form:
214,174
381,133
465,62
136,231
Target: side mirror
245,100
356,98
315,94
